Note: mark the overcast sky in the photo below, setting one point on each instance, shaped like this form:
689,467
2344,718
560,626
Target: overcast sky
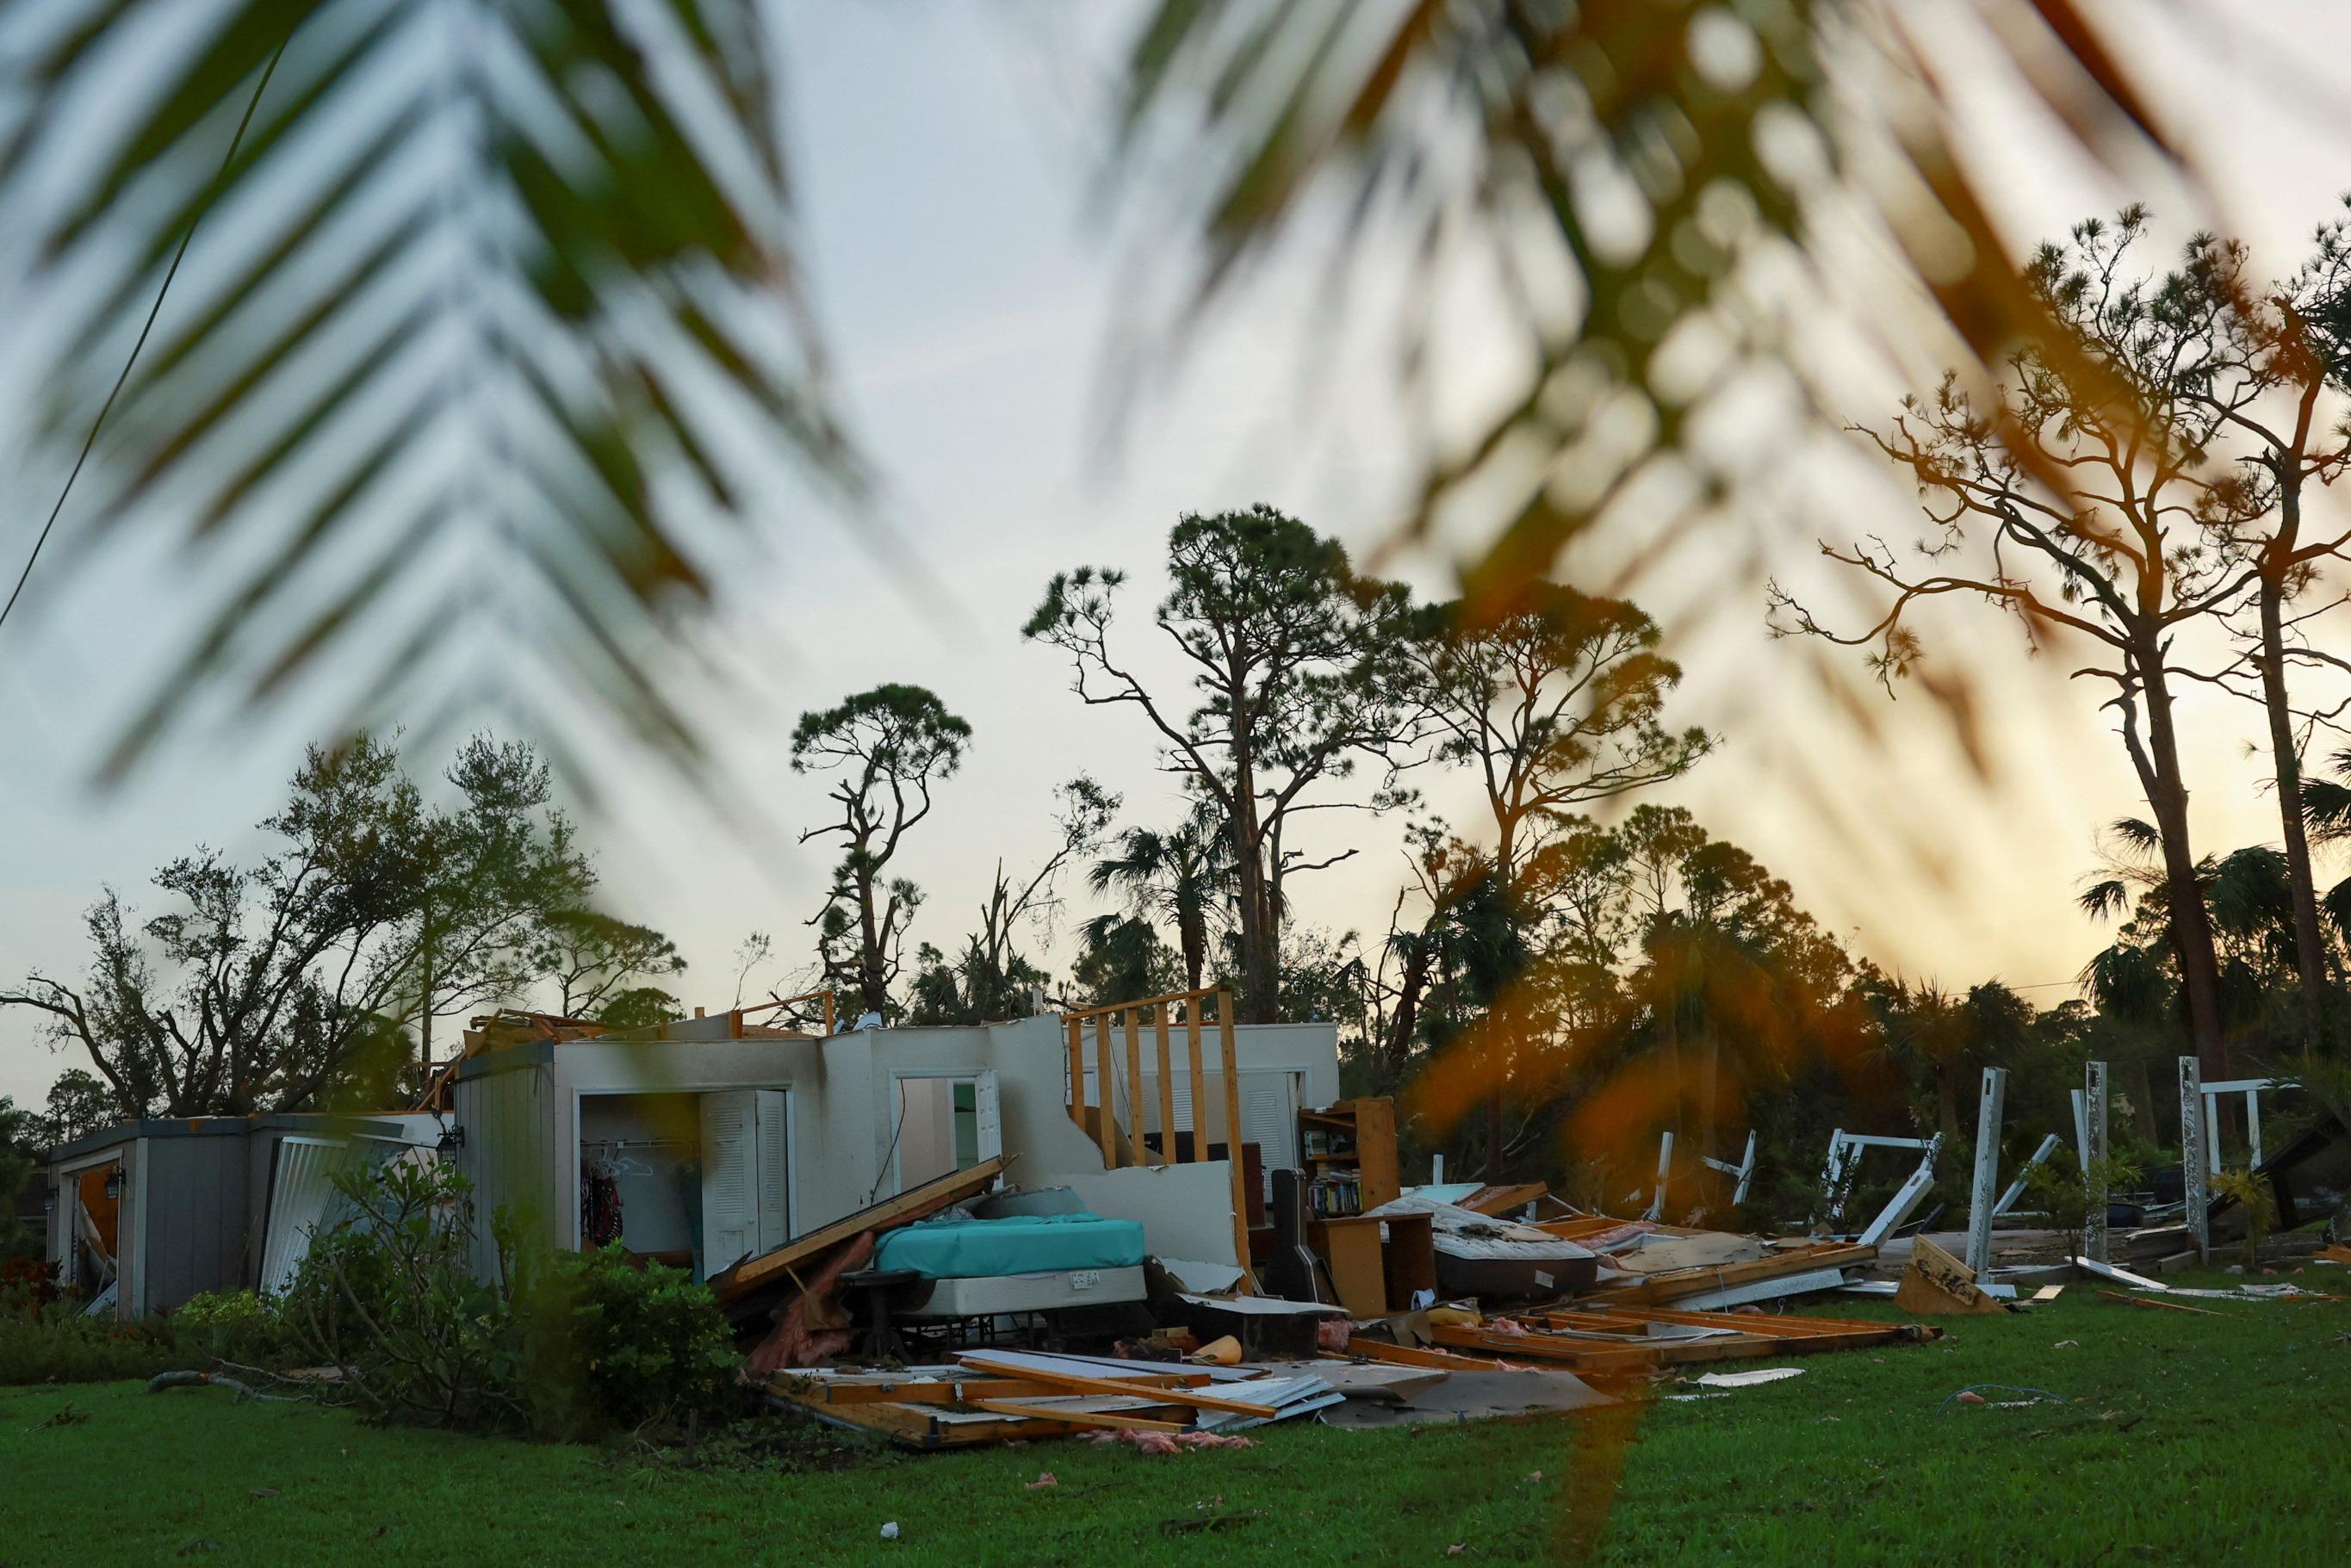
968,288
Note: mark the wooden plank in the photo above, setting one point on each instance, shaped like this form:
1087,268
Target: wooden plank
1408,1355
2166,1306
1142,1002
1104,1091
1789,1325
1078,1381
1082,1417
1166,1094
960,1391
1134,1088
1584,1355
1233,1132
1494,1200
904,1208
1077,1073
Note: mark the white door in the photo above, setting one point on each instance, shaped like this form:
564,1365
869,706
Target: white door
988,1102
730,1217
298,1202
773,1183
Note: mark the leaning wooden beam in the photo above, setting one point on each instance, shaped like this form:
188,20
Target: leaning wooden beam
1492,1200
734,1283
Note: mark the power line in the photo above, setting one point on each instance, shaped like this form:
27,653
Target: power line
154,310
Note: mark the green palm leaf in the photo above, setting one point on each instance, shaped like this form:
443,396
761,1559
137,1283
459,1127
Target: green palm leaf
471,304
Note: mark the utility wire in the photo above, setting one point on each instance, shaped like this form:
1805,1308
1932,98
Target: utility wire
171,272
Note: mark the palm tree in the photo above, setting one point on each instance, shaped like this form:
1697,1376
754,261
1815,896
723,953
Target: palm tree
1182,875
477,287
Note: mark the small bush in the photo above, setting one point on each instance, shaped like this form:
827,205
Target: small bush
57,1345
565,1345
612,1343
241,1326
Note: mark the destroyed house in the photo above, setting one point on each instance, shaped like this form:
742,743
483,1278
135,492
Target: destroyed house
714,1139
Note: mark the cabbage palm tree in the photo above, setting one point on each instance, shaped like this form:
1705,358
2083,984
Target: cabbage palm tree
1182,875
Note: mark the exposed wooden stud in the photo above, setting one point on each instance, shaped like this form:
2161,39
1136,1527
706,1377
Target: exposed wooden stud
1134,1088
1077,1073
1107,1133
1166,1092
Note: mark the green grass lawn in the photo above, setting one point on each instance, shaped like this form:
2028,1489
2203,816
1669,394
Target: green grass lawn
2190,1439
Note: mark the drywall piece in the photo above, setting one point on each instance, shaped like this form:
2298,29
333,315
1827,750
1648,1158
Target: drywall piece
1987,1173
1185,1211
1203,1279
1749,1379
1474,1396
2193,1137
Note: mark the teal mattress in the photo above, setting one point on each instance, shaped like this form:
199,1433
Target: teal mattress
1029,1244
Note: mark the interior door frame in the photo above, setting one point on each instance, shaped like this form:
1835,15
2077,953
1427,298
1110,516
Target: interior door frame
570,1157
898,1108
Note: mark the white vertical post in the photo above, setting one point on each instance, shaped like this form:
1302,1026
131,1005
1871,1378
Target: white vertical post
2253,1127
1747,1165
2081,1129
2212,1132
1986,1175
1437,1170
1833,1181
1665,1161
2092,1102
2192,1155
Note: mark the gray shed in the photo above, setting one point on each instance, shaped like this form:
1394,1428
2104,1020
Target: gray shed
144,1215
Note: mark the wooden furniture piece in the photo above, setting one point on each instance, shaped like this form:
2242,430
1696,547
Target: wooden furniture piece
1351,1245
1350,1149
1409,1256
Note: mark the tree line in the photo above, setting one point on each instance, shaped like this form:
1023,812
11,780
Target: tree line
1560,979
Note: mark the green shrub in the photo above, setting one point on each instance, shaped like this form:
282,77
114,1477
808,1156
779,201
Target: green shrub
565,1345
56,1344
613,1343
241,1326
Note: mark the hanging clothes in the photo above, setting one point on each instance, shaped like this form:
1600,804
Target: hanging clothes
600,1203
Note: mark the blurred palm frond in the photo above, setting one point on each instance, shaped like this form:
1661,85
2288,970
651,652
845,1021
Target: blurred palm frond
1663,196
442,389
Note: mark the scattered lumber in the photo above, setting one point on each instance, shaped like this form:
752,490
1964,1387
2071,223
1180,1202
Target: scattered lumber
2163,1306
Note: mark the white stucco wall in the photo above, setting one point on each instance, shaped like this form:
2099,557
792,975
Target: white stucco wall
844,1095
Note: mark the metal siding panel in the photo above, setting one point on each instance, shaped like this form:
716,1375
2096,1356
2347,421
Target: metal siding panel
166,1238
